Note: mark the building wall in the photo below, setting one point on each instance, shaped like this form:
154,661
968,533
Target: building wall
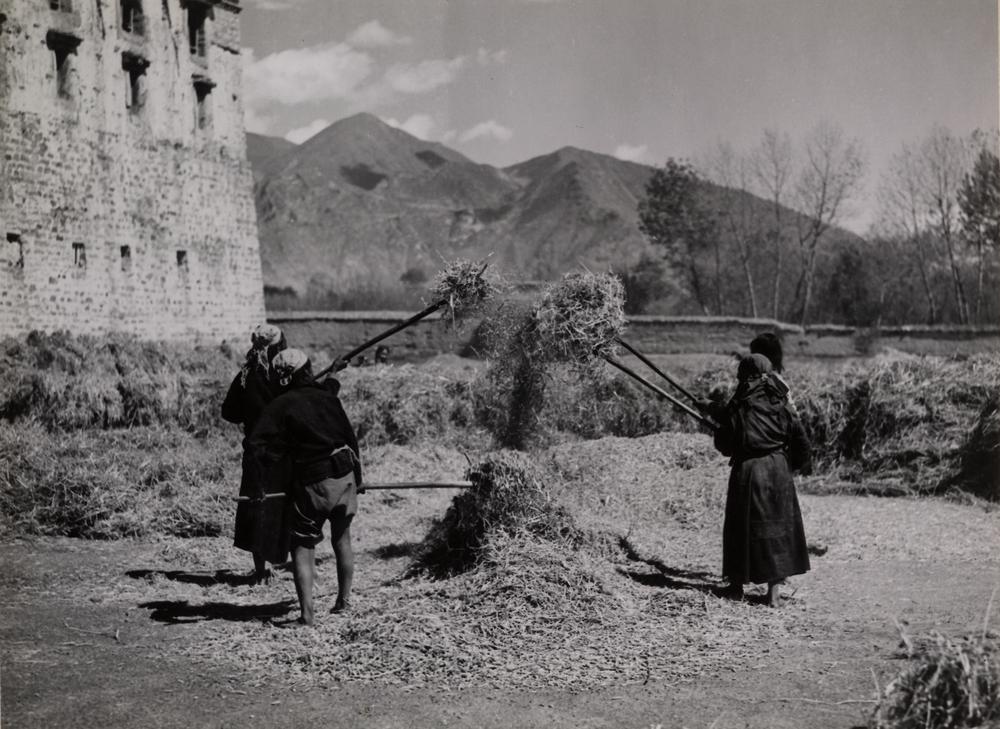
85,179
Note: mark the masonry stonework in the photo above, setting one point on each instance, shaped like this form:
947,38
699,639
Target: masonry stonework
125,194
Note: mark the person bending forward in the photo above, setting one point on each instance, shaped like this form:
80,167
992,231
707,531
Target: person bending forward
307,422
763,539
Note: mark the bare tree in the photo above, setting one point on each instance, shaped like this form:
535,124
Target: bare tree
832,174
902,216
772,168
945,159
732,172
979,200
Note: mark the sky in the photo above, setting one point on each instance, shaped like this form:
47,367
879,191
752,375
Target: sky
502,81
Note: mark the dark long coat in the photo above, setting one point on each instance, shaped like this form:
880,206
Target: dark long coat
763,539
260,525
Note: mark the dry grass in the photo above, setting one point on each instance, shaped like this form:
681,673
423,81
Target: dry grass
574,320
68,382
465,286
950,684
508,500
114,484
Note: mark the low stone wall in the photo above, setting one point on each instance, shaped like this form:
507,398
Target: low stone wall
336,332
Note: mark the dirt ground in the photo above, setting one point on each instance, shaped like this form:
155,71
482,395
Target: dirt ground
105,634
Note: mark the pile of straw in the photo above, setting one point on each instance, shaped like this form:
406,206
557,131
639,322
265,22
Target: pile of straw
109,484
979,456
68,382
952,684
507,497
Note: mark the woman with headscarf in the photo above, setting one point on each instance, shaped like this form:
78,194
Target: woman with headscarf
259,528
769,345
763,540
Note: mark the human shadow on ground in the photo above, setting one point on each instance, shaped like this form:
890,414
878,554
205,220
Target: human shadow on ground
203,578
181,611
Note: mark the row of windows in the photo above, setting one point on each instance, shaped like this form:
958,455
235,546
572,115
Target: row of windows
63,49
16,255
133,20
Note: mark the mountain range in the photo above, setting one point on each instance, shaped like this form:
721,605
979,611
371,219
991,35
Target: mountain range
363,204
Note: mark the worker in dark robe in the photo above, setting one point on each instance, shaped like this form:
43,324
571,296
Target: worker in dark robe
763,539
259,521
306,424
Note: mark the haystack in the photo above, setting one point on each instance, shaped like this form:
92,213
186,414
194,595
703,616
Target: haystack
507,498
979,470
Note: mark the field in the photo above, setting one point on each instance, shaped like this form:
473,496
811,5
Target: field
126,604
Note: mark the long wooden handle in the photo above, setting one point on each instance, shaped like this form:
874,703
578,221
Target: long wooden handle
661,392
385,486
656,369
387,333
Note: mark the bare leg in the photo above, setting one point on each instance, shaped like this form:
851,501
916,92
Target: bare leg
773,595
340,536
260,571
304,566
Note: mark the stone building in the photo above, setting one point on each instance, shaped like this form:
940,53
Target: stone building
126,198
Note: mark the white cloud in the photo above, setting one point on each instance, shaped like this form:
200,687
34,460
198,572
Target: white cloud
375,35
632,152
254,121
418,78
419,125
275,4
298,75
485,57
487,130
309,130
449,136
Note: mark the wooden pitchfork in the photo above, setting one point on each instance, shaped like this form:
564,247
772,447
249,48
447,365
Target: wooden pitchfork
392,330
661,392
387,486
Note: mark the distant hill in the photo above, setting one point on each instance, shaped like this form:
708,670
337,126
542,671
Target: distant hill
265,153
362,203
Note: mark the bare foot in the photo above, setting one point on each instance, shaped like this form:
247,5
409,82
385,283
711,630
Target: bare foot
341,606
773,596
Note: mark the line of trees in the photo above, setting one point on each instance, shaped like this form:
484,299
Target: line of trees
758,232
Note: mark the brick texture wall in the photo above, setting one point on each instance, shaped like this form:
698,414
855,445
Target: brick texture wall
117,212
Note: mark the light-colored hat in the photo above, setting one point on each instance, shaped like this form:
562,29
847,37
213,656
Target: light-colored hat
265,335
287,362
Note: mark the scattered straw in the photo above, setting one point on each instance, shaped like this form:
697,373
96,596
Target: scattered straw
951,684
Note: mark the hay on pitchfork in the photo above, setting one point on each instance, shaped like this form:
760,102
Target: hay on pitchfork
508,498
951,684
577,317
465,286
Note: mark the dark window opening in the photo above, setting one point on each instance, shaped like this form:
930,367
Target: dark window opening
133,20
16,247
203,111
135,87
197,36
126,253
65,6
79,255
182,261
63,48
